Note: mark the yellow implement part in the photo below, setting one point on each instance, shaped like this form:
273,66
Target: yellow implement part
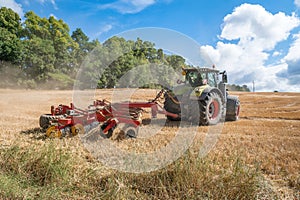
77,129
52,132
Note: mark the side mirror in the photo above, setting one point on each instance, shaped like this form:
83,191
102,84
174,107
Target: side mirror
224,77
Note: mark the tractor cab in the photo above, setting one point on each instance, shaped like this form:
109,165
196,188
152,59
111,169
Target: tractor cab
203,76
200,77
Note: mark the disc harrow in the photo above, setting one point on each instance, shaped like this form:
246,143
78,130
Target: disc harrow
74,121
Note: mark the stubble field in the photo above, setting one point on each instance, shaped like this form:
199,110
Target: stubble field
266,139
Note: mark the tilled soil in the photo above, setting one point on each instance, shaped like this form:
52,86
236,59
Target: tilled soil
266,135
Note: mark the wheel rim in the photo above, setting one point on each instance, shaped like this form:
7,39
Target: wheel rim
52,132
213,110
131,132
77,129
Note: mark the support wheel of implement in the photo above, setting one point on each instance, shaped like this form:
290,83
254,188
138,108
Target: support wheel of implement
45,120
211,109
108,134
53,132
232,108
131,131
77,129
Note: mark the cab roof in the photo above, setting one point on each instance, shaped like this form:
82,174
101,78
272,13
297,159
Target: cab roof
201,69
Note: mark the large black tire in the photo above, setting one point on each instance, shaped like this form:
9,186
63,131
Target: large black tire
232,108
211,109
172,107
46,119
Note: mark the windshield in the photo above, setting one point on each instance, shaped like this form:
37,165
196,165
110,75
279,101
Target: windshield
195,78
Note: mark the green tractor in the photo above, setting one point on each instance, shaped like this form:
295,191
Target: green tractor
202,98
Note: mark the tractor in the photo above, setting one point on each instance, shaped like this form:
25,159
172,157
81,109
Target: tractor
202,98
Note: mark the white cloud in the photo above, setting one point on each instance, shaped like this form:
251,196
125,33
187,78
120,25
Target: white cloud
128,6
293,54
13,5
26,2
252,24
52,15
51,1
276,53
248,34
104,29
54,4
297,3
292,60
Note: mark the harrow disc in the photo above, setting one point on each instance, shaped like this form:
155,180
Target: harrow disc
52,132
77,129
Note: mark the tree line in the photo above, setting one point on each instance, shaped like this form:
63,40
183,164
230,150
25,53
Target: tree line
235,87
41,53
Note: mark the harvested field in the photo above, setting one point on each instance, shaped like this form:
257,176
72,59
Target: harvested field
265,139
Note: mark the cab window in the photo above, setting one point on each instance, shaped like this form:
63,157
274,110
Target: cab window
211,79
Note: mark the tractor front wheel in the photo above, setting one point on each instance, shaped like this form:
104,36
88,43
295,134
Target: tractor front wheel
232,108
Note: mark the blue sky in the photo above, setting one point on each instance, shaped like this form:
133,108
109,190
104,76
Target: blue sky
254,40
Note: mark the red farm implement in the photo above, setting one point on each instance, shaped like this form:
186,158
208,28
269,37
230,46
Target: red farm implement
70,121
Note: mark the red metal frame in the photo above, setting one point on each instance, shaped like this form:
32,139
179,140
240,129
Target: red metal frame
103,111
61,109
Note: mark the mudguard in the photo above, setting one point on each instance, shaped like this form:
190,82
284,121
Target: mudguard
201,93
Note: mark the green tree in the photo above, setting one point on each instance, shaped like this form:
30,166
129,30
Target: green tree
10,43
175,61
10,46
63,44
34,26
10,21
84,44
235,87
50,52
39,59
81,39
46,53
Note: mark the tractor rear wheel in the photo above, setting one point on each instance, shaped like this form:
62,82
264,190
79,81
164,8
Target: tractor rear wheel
232,108
211,109
45,120
172,107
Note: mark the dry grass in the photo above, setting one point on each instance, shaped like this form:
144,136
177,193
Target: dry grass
255,157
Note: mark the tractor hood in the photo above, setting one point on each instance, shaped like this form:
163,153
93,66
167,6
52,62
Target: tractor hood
197,92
